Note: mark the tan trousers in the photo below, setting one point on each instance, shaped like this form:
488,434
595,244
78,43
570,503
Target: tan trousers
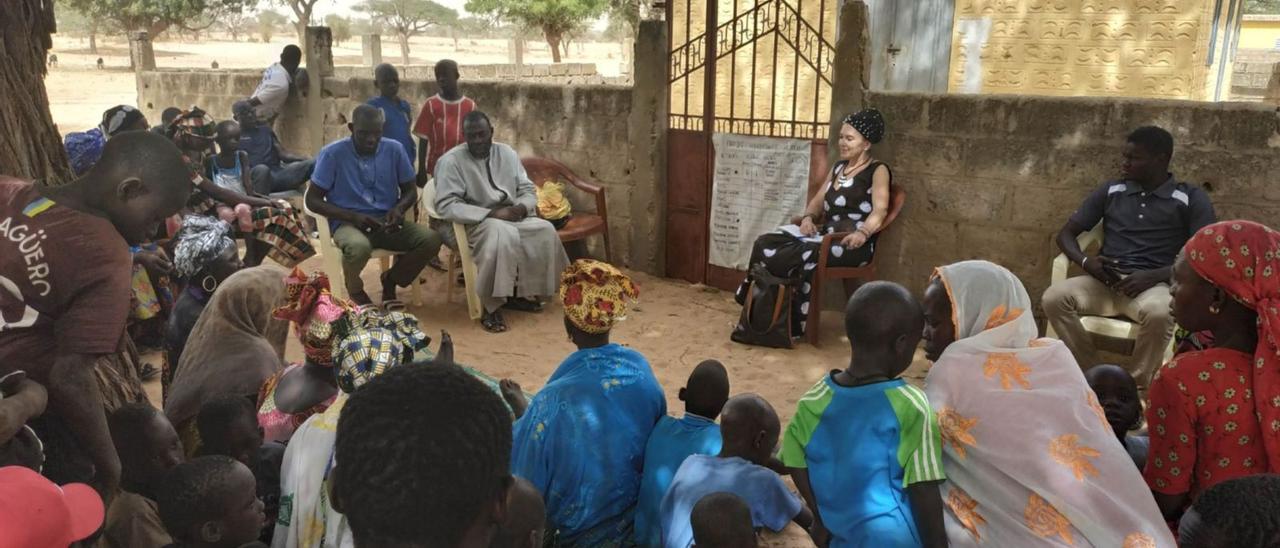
1065,301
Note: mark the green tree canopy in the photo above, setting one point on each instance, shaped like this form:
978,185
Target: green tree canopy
340,27
153,16
1262,6
555,18
407,18
268,22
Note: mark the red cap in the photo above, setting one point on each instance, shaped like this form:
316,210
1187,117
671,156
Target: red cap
36,512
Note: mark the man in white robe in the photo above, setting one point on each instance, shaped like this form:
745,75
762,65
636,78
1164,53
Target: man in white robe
519,256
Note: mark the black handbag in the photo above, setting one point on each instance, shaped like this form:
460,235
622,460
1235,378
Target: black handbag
766,312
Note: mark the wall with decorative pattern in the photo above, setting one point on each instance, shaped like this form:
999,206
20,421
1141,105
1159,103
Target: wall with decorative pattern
1135,48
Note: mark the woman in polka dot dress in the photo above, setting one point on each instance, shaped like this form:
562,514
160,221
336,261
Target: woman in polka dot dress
855,199
1214,414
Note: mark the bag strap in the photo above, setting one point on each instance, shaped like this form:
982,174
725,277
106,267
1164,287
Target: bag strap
777,308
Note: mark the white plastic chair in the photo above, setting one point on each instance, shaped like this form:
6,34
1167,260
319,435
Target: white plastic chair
474,308
1100,326
332,258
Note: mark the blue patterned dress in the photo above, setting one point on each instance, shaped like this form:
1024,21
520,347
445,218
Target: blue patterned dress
582,442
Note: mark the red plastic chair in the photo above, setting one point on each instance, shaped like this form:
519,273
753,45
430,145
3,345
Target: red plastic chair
581,225
897,197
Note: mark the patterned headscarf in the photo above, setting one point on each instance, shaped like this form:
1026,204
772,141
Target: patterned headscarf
117,118
200,241
195,122
596,295
314,312
84,148
1243,259
373,342
869,122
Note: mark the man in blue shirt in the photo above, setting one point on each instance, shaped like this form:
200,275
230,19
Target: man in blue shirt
364,185
397,110
272,168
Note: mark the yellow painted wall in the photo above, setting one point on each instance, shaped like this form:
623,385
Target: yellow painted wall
1259,34
1142,48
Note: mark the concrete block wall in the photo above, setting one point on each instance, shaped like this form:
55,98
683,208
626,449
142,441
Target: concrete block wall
1249,80
497,71
996,177
584,127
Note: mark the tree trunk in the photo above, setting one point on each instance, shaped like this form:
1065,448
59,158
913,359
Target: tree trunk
404,48
564,44
33,149
93,41
301,27
553,40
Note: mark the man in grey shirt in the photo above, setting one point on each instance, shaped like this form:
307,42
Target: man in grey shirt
1146,218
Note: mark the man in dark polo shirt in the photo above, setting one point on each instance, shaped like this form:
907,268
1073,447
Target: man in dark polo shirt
1146,218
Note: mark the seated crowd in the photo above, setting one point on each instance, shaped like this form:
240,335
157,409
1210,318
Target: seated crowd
375,440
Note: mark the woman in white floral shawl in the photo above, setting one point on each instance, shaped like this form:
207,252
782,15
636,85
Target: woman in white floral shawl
1029,456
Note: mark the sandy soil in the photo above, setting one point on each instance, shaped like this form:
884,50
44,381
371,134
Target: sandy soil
676,325
79,92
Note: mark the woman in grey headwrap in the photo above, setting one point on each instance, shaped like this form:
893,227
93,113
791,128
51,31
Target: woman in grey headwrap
854,201
203,256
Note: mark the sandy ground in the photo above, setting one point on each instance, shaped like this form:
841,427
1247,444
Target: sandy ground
79,92
675,325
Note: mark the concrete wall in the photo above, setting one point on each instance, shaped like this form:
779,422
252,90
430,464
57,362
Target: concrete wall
1136,48
996,177
477,72
1260,32
1249,81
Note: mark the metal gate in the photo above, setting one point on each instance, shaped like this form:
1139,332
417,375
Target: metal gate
752,67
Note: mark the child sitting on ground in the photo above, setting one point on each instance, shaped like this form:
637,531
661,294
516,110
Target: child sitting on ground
722,520
423,458
1238,512
149,448
229,169
1117,393
526,520
864,446
210,502
749,433
674,439
229,427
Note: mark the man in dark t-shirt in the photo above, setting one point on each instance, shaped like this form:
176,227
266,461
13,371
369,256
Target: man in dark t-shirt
1146,218
65,274
271,167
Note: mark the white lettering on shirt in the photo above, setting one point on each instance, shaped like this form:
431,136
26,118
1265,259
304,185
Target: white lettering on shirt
29,245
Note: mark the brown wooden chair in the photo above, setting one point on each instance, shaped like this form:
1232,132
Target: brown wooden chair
581,225
897,198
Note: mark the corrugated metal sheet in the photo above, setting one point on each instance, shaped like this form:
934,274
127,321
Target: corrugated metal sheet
910,44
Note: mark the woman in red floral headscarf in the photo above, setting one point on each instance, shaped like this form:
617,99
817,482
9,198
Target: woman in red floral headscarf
1214,414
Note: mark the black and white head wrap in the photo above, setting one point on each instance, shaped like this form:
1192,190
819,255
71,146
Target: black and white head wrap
200,242
117,118
869,123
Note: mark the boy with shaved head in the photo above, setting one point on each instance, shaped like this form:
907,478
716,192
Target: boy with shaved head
673,440
864,446
65,273
749,433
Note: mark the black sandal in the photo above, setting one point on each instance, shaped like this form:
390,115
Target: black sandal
493,322
520,304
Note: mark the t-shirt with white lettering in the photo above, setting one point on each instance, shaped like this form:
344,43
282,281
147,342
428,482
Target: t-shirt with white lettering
64,281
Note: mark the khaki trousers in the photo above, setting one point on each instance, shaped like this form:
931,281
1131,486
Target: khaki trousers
1065,301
